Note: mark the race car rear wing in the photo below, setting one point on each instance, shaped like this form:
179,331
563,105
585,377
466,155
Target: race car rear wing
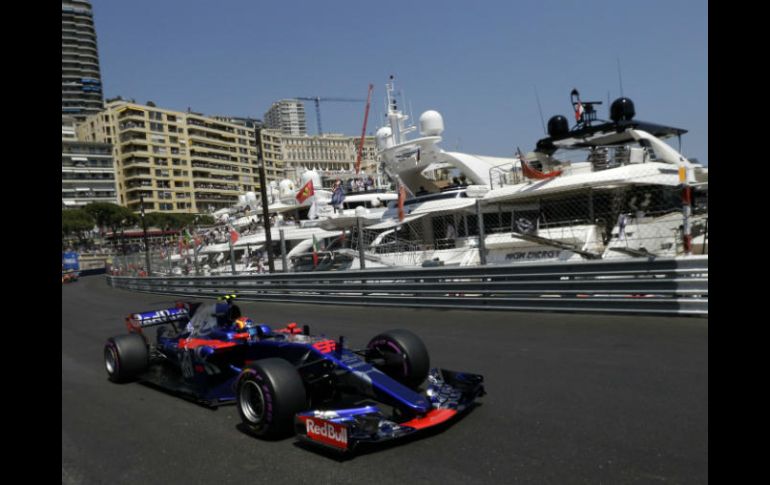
138,321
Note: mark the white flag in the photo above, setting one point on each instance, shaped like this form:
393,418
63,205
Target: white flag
313,212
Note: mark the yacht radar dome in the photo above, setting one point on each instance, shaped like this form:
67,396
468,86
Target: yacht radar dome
622,109
309,175
431,123
286,191
251,199
558,126
384,138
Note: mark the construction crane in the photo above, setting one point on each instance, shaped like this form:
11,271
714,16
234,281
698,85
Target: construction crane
363,130
318,100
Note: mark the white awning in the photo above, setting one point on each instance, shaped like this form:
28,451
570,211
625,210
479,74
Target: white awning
291,233
216,248
441,205
245,221
390,223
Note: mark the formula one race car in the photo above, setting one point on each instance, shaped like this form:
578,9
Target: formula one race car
69,276
286,379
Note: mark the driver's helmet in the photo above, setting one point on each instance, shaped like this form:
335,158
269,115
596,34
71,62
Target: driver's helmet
242,324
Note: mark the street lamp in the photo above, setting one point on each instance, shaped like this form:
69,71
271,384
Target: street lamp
144,229
263,193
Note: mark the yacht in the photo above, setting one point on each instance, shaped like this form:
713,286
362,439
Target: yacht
598,190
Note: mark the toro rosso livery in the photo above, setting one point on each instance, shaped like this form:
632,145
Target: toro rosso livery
285,379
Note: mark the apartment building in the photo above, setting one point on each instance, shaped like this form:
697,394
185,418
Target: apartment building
87,169
81,85
178,161
333,156
287,116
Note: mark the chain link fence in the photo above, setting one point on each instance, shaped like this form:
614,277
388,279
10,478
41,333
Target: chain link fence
653,216
631,221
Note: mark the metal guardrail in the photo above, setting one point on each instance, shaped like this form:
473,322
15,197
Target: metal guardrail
671,286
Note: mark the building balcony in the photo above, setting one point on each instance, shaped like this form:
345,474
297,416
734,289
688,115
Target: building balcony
193,133
130,147
213,177
212,156
132,126
217,187
139,184
209,196
131,112
217,168
137,176
208,146
102,179
211,127
136,161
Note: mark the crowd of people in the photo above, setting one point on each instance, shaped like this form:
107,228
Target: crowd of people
359,184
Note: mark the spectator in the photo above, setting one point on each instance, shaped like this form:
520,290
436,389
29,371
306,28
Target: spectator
451,233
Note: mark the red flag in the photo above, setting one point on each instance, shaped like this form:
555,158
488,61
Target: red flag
579,111
233,235
305,192
401,199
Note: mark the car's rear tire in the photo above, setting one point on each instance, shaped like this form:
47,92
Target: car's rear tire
270,392
125,357
405,354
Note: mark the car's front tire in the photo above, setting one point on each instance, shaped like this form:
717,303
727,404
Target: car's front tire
405,355
270,392
125,357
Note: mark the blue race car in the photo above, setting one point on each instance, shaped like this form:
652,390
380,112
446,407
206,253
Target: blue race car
286,380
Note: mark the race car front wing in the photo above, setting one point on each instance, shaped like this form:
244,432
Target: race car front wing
450,394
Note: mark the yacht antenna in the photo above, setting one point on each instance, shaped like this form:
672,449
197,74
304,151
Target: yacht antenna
540,109
620,78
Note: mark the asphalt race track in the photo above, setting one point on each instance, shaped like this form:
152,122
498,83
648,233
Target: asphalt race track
571,399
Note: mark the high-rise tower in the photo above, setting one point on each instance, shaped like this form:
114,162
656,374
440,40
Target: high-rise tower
81,80
288,116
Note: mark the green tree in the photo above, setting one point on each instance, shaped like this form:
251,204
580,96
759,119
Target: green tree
157,219
111,216
205,220
170,221
76,222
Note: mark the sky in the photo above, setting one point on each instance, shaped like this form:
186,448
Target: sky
481,64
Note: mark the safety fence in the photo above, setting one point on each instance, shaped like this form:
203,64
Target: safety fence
661,286
655,217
